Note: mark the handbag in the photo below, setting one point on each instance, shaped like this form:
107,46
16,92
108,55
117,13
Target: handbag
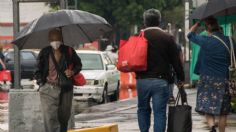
64,82
132,56
78,79
180,116
232,67
5,80
5,75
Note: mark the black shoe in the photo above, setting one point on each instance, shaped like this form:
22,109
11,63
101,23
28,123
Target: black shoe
213,129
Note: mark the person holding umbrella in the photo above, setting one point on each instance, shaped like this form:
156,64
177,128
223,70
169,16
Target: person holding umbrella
213,97
55,30
56,100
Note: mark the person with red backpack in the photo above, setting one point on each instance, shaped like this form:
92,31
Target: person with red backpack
153,83
55,80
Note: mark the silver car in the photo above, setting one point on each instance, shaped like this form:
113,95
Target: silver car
101,75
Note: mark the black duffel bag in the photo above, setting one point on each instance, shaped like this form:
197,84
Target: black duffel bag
180,116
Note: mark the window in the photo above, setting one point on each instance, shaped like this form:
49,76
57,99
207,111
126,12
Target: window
10,56
27,56
91,61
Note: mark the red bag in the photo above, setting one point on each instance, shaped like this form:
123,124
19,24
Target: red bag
132,56
5,75
78,79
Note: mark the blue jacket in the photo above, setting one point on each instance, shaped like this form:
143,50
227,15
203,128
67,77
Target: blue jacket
215,58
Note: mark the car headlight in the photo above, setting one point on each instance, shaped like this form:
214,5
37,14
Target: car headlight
98,82
89,82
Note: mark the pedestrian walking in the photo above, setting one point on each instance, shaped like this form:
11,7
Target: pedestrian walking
213,97
153,83
56,99
2,58
172,81
112,53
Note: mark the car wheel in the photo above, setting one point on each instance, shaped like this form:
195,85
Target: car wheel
115,96
105,97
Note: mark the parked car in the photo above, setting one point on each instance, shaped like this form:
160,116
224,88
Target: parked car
101,75
28,62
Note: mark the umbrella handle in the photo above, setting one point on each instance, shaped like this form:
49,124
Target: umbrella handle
61,36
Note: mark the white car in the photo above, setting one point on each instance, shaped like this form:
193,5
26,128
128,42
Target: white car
101,75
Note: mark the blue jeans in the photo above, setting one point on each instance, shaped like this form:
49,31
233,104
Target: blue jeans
158,91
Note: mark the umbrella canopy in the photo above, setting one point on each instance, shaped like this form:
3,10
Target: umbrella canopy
215,8
77,27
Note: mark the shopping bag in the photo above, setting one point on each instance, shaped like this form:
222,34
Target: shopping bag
132,56
5,75
180,116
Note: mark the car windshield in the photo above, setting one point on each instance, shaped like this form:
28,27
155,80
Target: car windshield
91,61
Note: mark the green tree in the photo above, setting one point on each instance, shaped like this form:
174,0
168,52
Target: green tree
124,14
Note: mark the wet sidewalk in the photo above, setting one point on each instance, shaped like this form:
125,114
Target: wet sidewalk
124,113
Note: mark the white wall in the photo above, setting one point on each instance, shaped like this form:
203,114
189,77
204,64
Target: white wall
28,12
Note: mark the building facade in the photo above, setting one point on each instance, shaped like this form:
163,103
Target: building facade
28,12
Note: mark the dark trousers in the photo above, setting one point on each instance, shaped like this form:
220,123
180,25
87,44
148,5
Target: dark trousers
56,111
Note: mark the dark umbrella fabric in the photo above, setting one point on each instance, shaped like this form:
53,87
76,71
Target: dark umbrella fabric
77,27
215,8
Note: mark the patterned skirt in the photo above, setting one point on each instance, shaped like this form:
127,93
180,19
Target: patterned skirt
213,96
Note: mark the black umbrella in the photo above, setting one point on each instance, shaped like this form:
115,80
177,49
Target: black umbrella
77,27
215,8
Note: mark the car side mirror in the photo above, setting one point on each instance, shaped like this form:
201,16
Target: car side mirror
111,67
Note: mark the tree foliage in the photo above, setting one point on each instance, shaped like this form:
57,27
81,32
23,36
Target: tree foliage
123,14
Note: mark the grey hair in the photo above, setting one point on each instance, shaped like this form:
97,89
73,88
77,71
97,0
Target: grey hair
152,17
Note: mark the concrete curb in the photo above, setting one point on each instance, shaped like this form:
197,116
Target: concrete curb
106,128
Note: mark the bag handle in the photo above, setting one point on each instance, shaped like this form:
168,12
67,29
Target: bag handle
233,61
149,28
181,94
230,50
70,54
56,64
221,42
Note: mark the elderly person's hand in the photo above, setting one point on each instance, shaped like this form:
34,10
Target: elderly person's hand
194,27
180,84
69,73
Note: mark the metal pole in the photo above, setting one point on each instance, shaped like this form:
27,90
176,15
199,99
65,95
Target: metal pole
62,4
187,50
16,29
76,4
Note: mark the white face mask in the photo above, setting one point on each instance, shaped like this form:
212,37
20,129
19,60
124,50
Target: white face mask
55,44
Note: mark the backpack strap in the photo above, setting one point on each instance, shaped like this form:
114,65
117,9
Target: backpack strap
221,42
70,54
230,50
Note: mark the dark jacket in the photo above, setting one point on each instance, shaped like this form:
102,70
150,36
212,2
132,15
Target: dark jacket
162,54
66,59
